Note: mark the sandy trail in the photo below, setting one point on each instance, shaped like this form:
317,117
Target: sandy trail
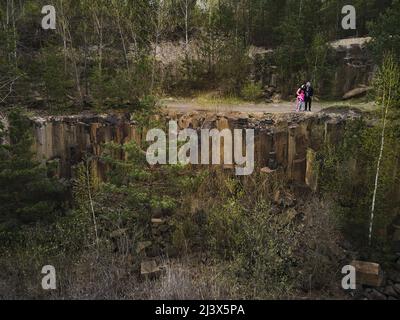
283,107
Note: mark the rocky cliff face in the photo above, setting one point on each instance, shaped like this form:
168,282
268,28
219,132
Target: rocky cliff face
69,139
286,141
349,60
354,67
351,64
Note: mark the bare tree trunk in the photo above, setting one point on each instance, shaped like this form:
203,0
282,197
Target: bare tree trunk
210,37
99,27
158,25
300,8
6,28
91,204
63,22
8,13
378,168
153,69
14,34
77,76
122,40
86,65
249,23
237,24
390,79
187,27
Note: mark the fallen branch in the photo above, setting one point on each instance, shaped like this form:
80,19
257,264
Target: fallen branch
11,83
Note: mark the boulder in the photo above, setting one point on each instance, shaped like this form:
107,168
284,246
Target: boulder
150,269
267,170
354,65
157,221
368,273
345,44
356,93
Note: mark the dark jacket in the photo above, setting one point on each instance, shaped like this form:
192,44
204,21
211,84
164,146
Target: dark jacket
309,92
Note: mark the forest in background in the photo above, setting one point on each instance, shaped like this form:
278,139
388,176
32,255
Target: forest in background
103,54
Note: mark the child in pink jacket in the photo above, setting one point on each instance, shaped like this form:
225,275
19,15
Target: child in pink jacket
301,97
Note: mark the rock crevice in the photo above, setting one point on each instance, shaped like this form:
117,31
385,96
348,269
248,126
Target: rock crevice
288,141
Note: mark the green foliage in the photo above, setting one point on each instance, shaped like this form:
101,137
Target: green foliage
57,83
139,192
27,194
121,88
264,253
348,172
386,33
233,68
257,244
251,91
318,63
261,247
387,85
103,54
365,158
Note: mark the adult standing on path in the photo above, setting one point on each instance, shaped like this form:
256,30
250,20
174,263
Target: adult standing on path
309,93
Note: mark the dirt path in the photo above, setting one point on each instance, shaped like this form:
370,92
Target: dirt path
283,107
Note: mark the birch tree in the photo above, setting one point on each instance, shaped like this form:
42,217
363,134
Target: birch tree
387,84
159,22
185,6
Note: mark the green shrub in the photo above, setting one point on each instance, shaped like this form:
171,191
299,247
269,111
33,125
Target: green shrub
27,193
347,174
251,91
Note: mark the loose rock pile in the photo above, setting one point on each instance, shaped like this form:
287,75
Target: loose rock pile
374,284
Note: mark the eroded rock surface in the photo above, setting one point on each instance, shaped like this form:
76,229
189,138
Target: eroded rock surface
287,141
354,66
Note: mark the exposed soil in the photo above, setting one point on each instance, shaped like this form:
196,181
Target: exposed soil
283,107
